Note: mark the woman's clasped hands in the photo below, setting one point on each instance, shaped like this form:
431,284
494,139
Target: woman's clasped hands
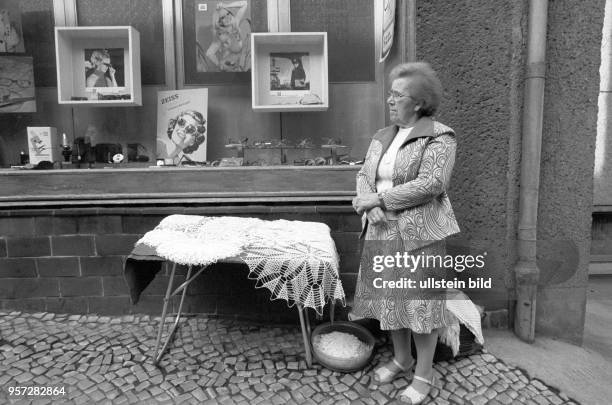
370,204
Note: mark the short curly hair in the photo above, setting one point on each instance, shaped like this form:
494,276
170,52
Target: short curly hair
425,88
98,56
199,136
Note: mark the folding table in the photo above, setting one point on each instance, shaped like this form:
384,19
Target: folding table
294,260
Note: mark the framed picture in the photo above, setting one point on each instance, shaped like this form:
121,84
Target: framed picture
104,68
11,35
98,65
17,93
216,39
289,71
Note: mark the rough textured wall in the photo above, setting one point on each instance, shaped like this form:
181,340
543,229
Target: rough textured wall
569,133
477,47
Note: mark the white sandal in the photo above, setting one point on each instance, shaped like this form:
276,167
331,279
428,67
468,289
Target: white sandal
384,374
411,396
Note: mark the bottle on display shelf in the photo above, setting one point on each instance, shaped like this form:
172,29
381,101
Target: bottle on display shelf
24,158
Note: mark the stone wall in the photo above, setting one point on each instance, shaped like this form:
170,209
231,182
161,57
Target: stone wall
479,49
568,145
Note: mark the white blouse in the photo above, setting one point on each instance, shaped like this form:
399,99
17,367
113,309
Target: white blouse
384,175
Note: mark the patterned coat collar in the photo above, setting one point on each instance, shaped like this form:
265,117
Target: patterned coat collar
423,127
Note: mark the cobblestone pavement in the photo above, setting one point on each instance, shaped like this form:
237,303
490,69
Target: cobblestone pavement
108,360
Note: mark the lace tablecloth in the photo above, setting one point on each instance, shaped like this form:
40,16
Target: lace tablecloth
296,261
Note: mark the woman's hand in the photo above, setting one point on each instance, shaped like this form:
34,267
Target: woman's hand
111,81
365,202
376,216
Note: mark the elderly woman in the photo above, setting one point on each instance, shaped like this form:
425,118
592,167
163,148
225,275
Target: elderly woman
185,135
401,193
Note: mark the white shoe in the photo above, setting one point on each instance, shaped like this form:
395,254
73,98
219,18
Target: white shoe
411,396
389,371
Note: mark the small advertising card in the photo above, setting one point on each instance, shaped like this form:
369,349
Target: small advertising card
181,125
43,144
385,10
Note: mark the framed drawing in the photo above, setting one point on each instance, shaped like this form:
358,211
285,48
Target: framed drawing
17,84
215,45
289,71
11,34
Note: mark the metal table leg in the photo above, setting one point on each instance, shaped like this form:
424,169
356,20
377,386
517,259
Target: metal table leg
307,321
163,316
169,294
306,337
304,323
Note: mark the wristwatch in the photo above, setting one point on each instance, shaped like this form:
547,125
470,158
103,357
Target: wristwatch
381,201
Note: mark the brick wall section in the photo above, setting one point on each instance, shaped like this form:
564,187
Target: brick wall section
71,260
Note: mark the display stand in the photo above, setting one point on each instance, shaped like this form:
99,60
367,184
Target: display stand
74,44
333,159
276,57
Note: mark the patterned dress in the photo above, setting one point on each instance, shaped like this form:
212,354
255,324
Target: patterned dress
419,217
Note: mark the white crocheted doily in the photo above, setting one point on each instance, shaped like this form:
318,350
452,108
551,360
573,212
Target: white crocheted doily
297,261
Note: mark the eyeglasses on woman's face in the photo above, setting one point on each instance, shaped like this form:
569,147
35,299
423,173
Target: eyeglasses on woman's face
190,129
396,95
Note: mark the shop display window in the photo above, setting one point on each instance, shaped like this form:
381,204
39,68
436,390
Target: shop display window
274,118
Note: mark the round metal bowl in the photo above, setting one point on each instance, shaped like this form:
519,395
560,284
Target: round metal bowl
342,364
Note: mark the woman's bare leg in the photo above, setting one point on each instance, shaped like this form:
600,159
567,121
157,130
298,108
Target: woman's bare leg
387,372
425,346
401,346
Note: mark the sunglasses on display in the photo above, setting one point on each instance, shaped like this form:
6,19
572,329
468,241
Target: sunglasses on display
190,129
5,81
112,97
